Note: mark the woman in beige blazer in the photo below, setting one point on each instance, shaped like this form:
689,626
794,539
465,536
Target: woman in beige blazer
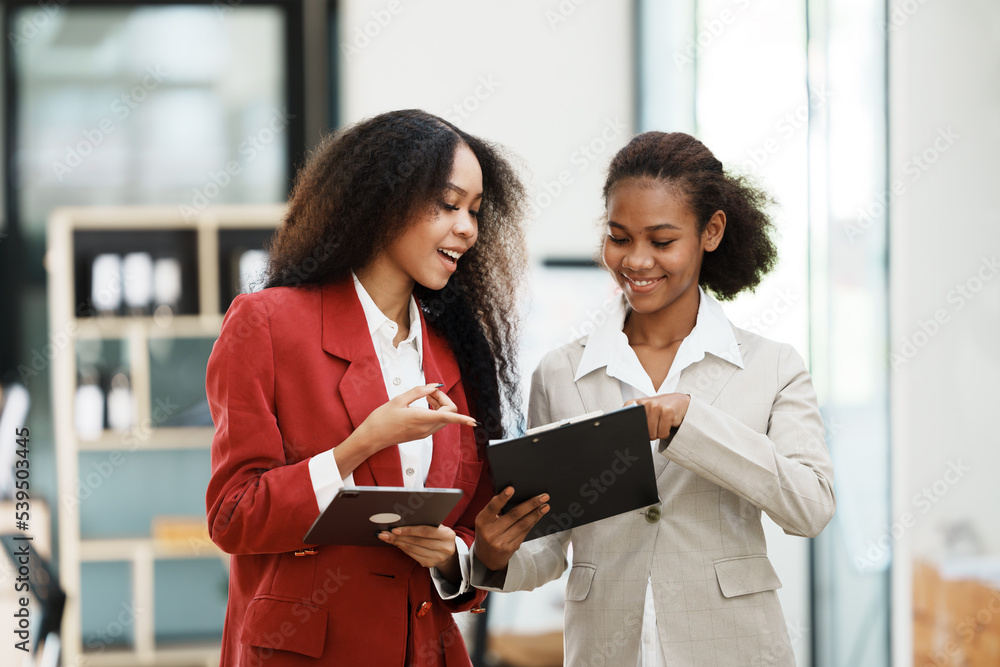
733,420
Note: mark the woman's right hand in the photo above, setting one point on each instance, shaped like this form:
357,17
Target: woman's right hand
499,535
396,421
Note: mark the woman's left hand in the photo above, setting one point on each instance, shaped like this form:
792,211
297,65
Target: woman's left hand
663,412
431,546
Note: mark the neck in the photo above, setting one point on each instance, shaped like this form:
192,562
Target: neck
666,326
390,290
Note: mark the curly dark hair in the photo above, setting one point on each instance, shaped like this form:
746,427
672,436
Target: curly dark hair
359,190
746,252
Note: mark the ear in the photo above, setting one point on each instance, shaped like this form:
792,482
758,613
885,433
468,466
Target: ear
711,237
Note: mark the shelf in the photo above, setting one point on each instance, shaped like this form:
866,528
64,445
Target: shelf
206,653
130,218
205,247
178,326
178,437
133,548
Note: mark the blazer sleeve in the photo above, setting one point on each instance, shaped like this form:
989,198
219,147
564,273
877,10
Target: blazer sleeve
465,529
787,472
541,560
257,501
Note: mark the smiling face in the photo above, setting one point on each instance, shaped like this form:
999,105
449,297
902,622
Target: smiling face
429,249
653,247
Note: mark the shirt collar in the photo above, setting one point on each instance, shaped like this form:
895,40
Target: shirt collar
713,334
381,326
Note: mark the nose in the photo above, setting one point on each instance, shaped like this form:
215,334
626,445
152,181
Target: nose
467,228
637,261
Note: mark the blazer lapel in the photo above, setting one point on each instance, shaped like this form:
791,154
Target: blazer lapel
362,388
706,378
440,367
598,390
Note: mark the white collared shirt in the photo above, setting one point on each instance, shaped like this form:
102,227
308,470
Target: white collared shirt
402,370
607,347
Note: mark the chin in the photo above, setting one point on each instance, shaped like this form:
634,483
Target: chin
644,306
434,282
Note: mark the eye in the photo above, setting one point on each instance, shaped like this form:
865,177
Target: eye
474,214
449,206
662,244
617,241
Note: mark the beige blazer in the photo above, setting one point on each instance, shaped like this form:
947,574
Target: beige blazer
752,440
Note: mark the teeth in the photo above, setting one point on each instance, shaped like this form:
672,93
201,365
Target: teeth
640,283
451,253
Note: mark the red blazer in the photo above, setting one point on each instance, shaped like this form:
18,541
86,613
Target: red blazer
292,374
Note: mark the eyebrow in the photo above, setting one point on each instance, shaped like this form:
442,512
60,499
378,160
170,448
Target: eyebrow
651,228
461,192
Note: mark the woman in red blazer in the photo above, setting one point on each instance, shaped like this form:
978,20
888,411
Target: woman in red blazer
402,236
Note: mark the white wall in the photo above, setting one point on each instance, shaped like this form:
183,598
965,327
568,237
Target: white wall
551,80
945,231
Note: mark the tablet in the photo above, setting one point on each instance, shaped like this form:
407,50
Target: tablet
593,467
357,514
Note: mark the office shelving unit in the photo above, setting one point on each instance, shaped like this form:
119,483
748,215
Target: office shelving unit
204,244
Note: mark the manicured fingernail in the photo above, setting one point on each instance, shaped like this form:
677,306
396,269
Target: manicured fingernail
383,535
475,423
545,508
509,491
397,531
439,385
544,498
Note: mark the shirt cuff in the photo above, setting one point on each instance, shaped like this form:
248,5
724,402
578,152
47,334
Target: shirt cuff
326,479
445,588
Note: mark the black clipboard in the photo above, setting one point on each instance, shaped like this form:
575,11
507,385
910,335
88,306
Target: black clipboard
593,467
357,514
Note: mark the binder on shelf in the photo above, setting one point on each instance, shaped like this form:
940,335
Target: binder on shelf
357,514
593,467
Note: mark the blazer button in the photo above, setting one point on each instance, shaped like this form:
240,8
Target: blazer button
653,514
424,608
